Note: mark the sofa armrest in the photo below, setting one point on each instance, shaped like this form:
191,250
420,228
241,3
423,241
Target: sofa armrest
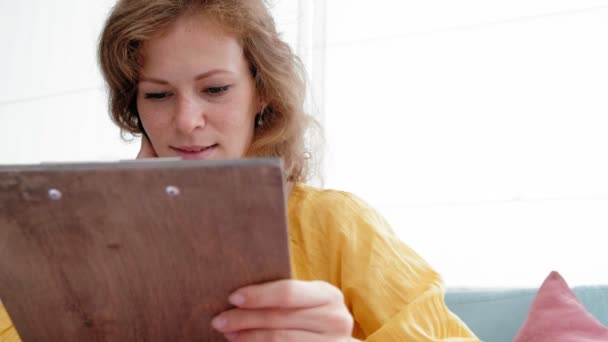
496,315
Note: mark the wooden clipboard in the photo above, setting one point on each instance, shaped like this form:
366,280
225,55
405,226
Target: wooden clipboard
136,251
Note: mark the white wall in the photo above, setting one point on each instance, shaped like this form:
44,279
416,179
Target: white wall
478,128
52,100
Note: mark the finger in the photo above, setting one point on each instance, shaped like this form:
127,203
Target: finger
323,320
288,294
146,150
278,335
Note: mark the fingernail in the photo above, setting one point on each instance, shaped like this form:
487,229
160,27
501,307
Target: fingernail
231,337
218,323
236,299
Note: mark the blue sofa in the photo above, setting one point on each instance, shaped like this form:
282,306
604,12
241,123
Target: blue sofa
497,315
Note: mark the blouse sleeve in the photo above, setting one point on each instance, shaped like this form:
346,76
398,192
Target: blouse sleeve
7,330
393,294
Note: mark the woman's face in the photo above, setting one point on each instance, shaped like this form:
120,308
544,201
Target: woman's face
196,97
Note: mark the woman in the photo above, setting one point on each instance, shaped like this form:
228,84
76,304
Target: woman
213,80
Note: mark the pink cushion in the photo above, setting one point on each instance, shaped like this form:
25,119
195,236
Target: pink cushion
556,315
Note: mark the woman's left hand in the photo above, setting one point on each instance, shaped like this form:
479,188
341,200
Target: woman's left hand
286,310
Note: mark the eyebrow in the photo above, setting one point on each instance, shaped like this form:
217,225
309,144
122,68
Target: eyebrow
197,78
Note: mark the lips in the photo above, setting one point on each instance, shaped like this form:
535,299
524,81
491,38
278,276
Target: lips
195,152
194,149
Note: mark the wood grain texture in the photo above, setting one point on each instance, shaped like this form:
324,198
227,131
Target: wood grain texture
117,259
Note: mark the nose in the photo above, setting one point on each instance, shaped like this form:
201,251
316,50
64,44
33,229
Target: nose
189,114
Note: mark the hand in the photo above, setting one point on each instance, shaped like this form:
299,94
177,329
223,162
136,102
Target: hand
146,150
286,310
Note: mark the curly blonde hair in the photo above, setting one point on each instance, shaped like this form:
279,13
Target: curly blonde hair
278,73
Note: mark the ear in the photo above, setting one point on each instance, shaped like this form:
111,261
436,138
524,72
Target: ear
261,106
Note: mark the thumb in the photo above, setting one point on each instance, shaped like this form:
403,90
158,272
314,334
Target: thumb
146,150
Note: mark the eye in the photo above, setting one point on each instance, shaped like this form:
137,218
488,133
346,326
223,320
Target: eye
156,96
217,90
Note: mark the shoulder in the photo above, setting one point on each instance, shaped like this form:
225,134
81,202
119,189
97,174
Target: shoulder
324,201
305,194
332,230
333,208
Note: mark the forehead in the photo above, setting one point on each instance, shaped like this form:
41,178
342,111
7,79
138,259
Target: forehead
191,41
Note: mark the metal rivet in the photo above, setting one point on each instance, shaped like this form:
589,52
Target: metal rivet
55,194
172,191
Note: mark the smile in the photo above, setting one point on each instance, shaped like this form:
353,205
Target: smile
195,152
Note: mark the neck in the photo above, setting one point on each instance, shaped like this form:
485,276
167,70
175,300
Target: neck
288,190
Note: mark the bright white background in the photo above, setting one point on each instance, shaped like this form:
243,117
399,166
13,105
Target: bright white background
479,129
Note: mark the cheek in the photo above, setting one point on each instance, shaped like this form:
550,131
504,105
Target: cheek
236,114
232,118
153,118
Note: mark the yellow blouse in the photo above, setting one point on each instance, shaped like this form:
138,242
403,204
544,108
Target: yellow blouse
392,293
